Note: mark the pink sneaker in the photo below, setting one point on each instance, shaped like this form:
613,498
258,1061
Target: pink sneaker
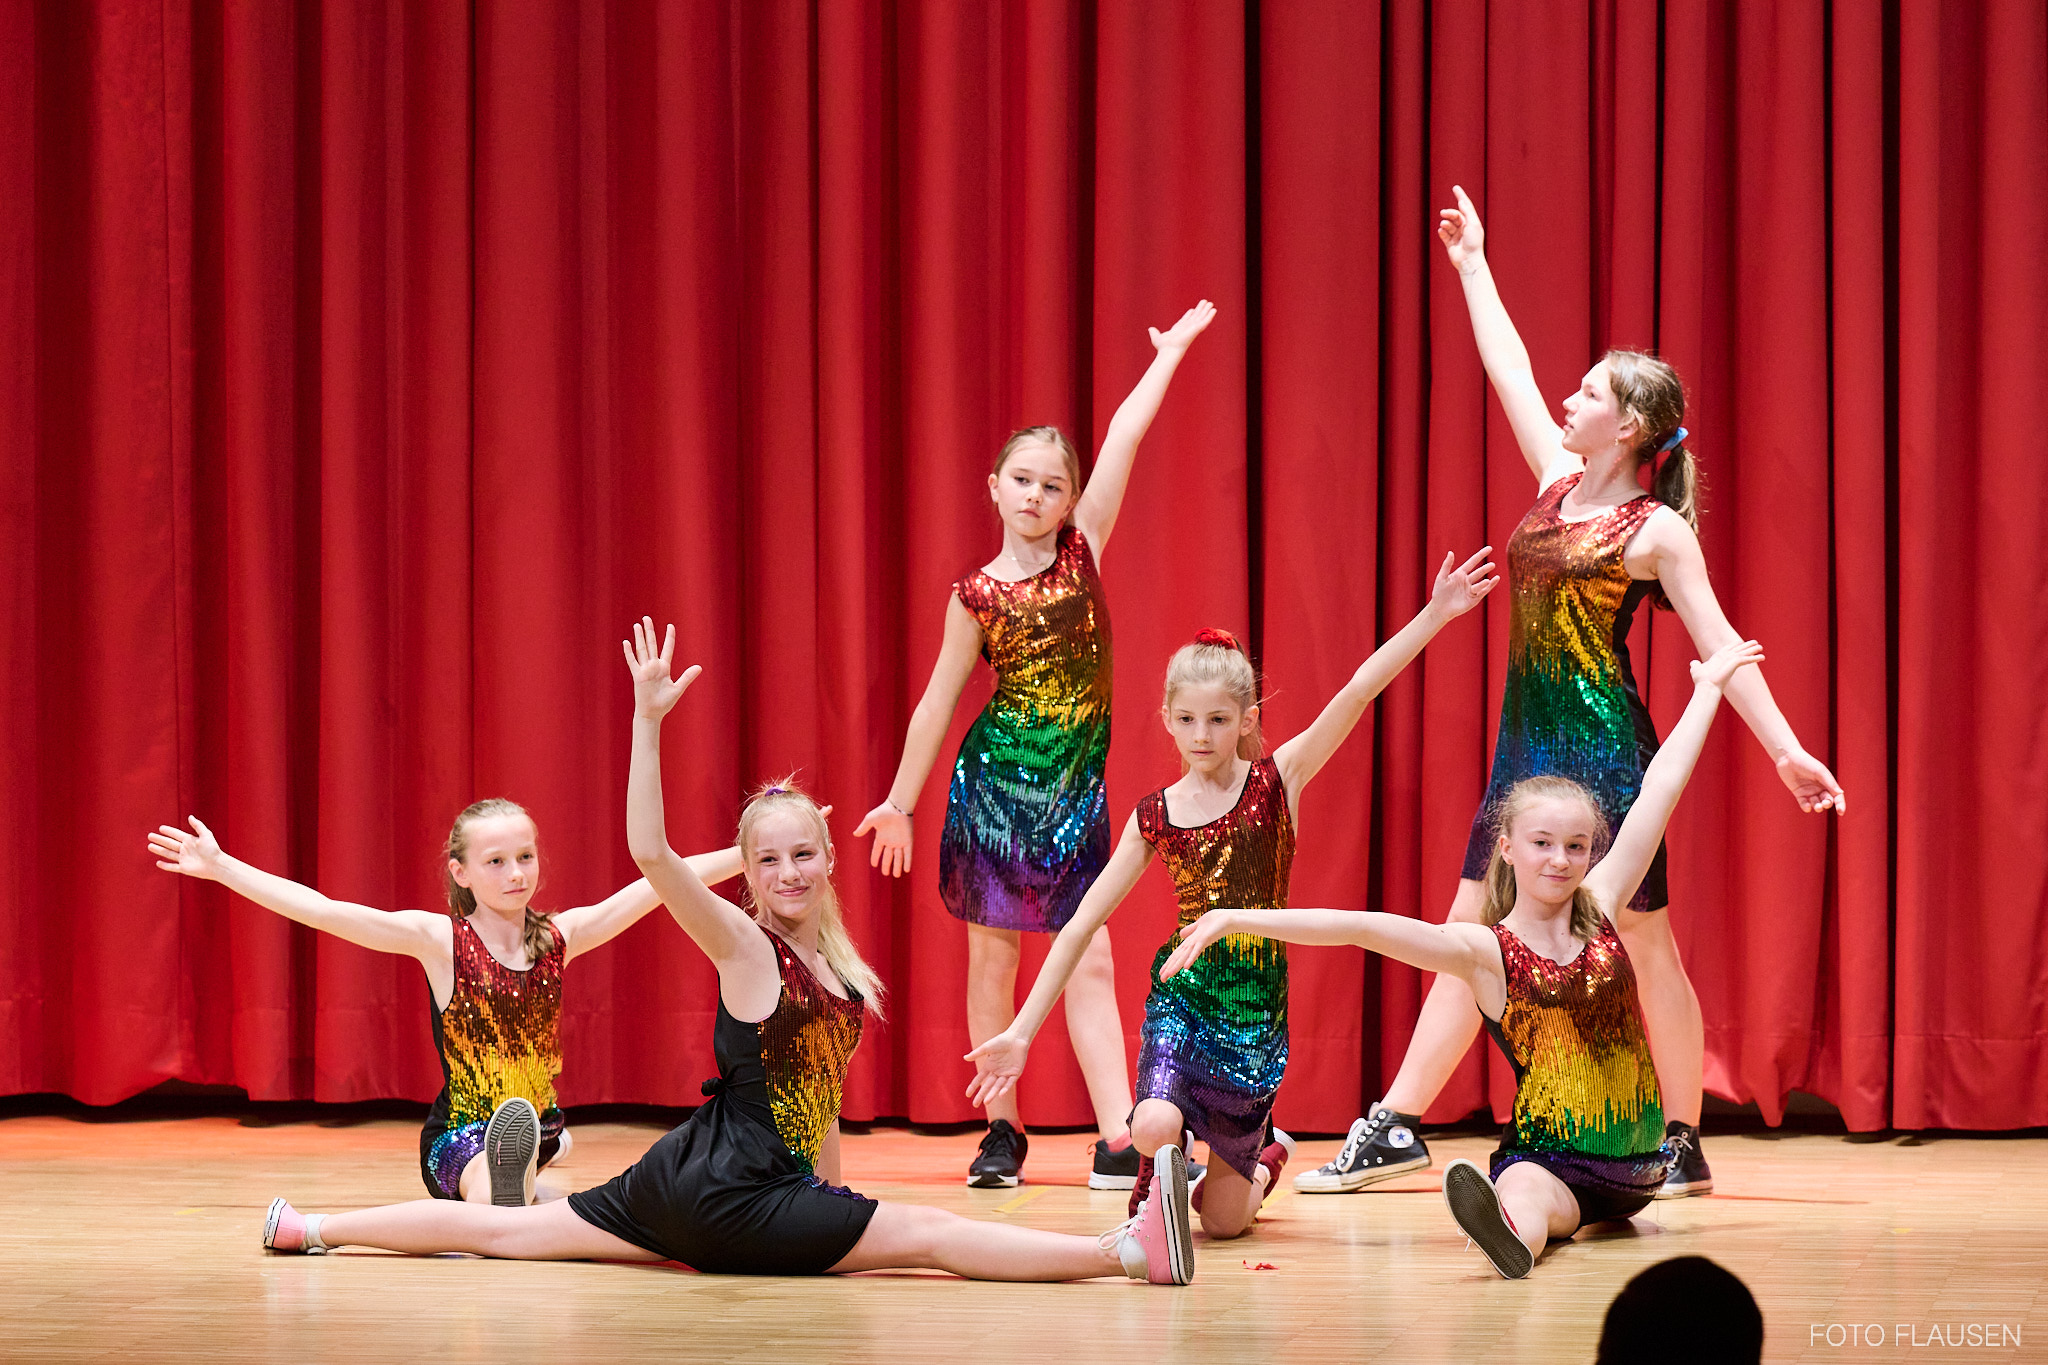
1157,1244
284,1228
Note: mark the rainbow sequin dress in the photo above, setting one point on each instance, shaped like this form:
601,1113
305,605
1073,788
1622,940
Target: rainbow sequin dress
1027,819
735,1189
499,1036
1215,1038
1570,706
1587,1108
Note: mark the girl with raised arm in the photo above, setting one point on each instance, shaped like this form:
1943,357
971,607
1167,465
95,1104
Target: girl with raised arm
1215,1038
1555,983
1587,556
1027,823
749,1184
494,972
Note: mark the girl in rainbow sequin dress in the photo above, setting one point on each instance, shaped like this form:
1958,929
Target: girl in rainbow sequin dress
494,972
1215,1038
1587,556
748,1185
1554,981
1027,822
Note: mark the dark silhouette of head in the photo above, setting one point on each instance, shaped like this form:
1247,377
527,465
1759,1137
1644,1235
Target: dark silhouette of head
1684,1311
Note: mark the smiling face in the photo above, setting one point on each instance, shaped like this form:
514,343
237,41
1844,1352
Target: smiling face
1207,724
501,863
1593,419
1550,847
1034,489
789,865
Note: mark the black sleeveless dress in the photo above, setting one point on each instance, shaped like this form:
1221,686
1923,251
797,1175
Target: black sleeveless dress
734,1190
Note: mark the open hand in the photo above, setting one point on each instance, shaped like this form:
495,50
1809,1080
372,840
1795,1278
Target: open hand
195,855
654,692
997,1065
1459,590
1811,784
891,852
1459,230
1195,938
1717,668
1191,325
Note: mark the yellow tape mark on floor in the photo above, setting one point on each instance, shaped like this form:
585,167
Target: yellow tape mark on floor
1012,1205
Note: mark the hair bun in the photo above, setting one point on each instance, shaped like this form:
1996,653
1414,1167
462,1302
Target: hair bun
1221,639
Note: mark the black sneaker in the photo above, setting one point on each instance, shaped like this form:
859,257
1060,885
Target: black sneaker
1689,1173
999,1163
1114,1170
1378,1148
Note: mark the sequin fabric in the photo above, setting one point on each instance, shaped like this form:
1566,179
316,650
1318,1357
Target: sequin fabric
500,1034
1570,705
1215,1037
1585,1089
1027,819
805,1045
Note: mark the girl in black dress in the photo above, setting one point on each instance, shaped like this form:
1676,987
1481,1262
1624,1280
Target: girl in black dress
748,1184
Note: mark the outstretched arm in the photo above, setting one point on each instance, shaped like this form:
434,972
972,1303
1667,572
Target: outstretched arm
1500,346
1614,879
890,821
1457,591
720,928
587,926
1095,514
1466,951
1000,1061
1682,571
422,934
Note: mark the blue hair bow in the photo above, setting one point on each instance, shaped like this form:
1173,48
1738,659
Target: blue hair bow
1676,437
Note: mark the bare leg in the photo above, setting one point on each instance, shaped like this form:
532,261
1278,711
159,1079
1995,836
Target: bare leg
1671,1011
538,1232
1230,1203
1445,1029
475,1184
911,1236
1096,1028
1539,1205
992,956
1155,1123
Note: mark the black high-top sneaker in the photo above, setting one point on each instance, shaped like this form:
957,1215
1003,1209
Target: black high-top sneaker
1379,1147
1689,1173
1000,1162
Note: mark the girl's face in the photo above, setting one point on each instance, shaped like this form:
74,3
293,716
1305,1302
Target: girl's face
788,867
1206,723
1593,421
1551,849
502,865
1032,491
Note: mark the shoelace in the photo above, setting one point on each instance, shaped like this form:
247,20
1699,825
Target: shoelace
1360,1135
1680,1143
1130,1225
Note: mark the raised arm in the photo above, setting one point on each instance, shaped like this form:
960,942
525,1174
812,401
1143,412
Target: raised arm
1615,877
1000,1061
1095,514
1466,951
1682,571
1456,592
587,926
890,821
720,928
1500,346
421,934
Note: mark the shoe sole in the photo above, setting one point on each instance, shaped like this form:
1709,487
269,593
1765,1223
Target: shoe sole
1476,1206
511,1144
996,1182
1170,1183
270,1221
1110,1182
1684,1189
1358,1180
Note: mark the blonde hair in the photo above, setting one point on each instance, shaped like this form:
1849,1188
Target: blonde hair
834,943
1500,874
1051,436
537,937
1215,659
1650,391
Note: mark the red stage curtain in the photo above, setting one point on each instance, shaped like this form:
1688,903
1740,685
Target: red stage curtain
366,368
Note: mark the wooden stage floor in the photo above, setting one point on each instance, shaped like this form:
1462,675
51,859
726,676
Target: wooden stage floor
139,1240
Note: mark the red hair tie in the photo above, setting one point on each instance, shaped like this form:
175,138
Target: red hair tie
1222,639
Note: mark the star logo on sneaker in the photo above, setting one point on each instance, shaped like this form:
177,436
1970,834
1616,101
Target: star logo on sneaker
1400,1137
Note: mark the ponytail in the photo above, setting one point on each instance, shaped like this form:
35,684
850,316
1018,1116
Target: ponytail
1650,391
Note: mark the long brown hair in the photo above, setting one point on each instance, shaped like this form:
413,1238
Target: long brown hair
537,937
1500,874
1215,659
1650,391
834,943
